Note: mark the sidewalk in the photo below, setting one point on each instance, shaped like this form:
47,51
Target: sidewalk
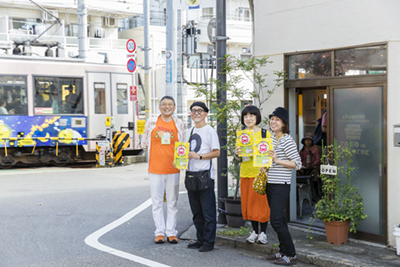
316,251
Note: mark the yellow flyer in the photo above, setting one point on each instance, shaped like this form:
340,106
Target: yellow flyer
260,157
181,155
245,140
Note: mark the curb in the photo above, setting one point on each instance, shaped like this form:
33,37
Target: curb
304,256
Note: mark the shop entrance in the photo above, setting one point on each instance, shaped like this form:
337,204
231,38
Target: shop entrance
352,113
311,105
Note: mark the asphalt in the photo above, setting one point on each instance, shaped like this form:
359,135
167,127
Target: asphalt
315,251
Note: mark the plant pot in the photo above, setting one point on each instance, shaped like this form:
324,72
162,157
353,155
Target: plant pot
337,232
233,212
396,234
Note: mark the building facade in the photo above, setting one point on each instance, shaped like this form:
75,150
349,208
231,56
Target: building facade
342,58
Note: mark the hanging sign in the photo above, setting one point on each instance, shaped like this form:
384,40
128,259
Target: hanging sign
328,169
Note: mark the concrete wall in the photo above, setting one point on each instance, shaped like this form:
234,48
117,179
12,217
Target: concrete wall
290,26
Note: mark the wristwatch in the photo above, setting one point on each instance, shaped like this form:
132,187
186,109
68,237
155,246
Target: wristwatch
201,157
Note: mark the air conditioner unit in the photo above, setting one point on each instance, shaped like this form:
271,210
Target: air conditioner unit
110,22
245,50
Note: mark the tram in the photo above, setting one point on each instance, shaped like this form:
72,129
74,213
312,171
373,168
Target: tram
57,106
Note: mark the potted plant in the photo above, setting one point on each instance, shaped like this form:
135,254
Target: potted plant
341,206
238,71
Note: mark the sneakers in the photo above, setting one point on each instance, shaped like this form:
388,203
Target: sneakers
172,239
159,239
206,248
274,257
286,260
262,238
252,238
195,245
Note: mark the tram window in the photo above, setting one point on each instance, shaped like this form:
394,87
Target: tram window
100,98
58,95
13,95
122,98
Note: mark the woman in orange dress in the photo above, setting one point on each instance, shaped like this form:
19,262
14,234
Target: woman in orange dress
254,206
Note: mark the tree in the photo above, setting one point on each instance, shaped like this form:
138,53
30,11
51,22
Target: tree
237,71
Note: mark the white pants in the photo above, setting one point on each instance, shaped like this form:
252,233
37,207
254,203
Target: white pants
170,184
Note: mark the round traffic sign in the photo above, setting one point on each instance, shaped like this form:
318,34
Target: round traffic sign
131,46
131,65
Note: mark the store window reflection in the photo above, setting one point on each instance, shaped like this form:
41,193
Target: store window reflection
310,65
360,61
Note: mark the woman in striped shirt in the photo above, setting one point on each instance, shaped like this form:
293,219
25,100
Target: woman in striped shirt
285,158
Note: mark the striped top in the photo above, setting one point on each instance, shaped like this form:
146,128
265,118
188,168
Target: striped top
286,150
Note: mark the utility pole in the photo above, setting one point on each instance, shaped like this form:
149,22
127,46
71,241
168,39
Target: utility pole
146,24
169,53
221,98
82,29
179,96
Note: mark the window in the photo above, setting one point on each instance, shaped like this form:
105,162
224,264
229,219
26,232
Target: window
122,98
310,65
361,60
13,95
28,26
99,98
71,30
353,61
58,95
208,13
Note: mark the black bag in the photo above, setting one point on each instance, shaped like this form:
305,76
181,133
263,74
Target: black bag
319,135
198,181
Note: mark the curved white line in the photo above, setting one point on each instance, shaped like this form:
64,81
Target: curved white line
92,240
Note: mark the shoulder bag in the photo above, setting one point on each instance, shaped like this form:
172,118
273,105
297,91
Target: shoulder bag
200,180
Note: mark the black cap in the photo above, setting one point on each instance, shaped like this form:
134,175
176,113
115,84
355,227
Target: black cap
281,113
199,104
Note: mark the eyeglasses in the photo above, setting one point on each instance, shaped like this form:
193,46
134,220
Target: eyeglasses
198,111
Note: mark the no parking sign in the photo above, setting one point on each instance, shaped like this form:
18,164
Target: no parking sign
131,65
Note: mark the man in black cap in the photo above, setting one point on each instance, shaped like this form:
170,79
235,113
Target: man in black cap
204,146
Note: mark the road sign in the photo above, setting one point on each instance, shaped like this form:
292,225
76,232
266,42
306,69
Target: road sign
131,65
133,93
131,46
108,121
140,126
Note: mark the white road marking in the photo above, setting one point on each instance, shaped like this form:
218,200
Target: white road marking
93,239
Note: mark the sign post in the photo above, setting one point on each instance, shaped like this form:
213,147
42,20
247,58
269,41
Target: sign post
131,48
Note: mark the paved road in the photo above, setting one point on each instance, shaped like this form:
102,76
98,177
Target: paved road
93,217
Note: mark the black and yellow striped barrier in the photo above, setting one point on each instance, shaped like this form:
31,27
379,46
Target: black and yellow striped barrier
120,142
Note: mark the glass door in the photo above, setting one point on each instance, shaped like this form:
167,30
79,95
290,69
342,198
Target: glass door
358,115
